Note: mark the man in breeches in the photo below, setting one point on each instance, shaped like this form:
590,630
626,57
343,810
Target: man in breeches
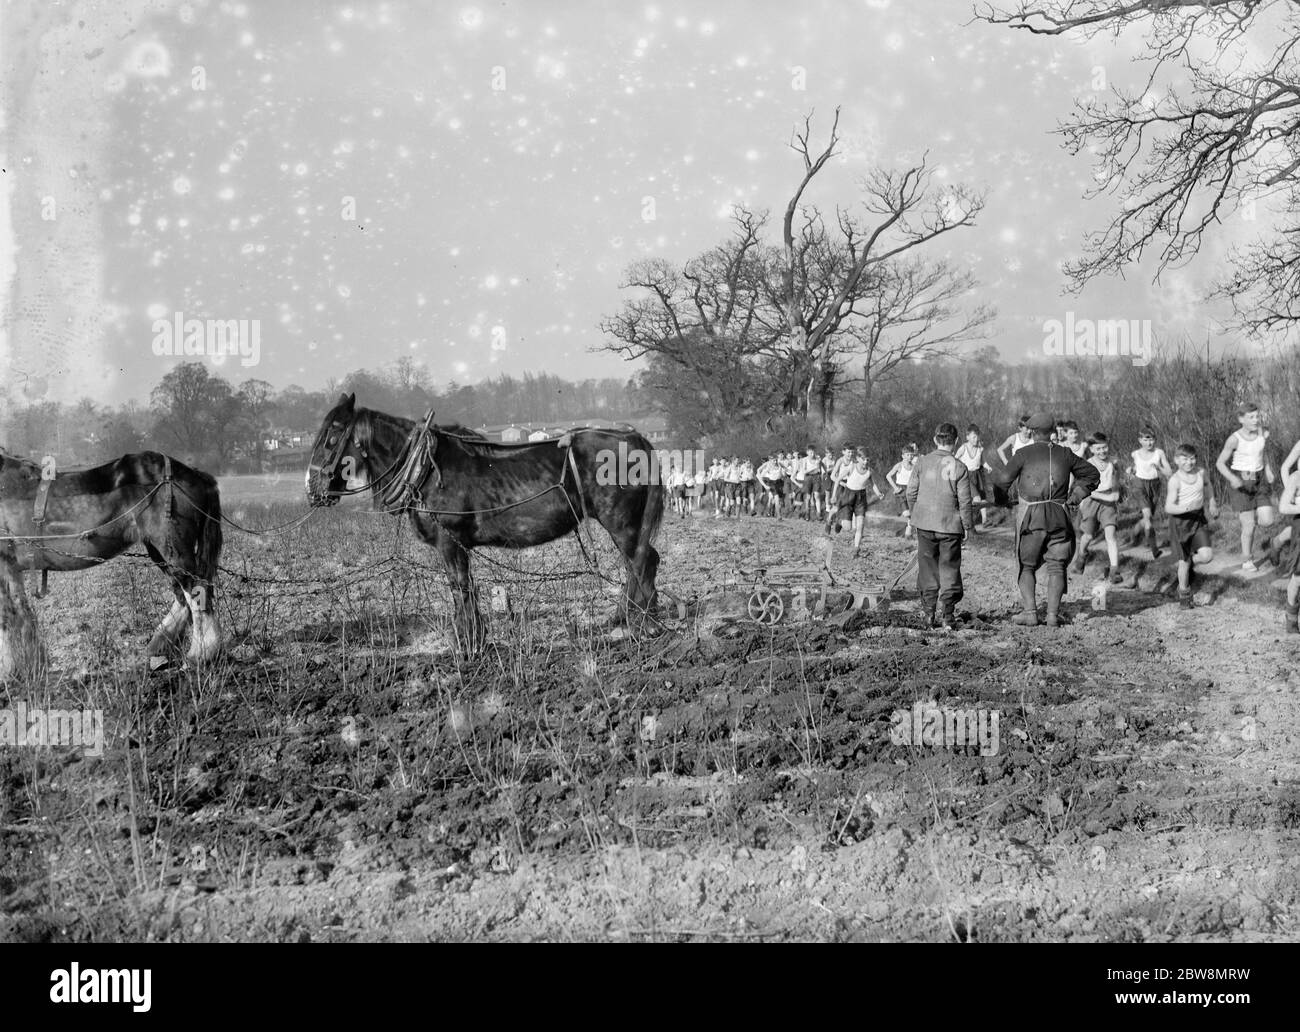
1041,472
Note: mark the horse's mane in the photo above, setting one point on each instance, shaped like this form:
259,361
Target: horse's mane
467,439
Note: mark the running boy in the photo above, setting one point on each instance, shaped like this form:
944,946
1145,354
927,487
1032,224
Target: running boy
971,455
773,485
1188,497
1022,438
850,492
1149,465
1067,435
1100,509
899,477
1250,477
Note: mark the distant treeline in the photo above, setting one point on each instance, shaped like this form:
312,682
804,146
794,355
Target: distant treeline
224,427
1184,393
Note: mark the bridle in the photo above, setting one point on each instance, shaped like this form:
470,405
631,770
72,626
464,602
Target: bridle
415,457
329,467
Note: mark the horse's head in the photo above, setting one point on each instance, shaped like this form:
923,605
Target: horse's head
338,457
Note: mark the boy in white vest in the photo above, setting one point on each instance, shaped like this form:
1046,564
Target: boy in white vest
1100,510
1244,464
1189,496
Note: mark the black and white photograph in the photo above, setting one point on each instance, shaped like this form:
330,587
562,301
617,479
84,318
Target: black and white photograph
651,472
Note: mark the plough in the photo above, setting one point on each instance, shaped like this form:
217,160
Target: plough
793,594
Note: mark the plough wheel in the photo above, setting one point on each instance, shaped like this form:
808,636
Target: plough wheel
765,606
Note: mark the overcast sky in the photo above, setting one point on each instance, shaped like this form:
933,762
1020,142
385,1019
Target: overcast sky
492,224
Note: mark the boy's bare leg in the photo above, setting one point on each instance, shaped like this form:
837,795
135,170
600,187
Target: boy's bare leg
1149,532
1081,553
1277,544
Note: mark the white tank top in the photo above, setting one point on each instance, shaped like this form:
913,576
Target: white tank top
1017,444
1191,494
1107,483
1148,467
858,479
1248,457
971,457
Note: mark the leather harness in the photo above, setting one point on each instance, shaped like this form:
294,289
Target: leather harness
42,500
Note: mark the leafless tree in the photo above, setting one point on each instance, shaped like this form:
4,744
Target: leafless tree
1180,161
915,310
758,327
710,319
823,282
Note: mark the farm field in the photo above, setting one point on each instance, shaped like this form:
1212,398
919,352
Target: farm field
339,775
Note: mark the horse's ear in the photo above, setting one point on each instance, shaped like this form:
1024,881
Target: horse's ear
348,400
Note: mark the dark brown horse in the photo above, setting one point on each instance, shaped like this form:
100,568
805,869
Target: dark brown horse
462,491
75,520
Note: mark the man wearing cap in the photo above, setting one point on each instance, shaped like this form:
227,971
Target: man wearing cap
1044,526
939,501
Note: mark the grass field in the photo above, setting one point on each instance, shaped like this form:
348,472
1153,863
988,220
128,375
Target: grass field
340,775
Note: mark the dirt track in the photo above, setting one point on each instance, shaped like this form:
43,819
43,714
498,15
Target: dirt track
338,777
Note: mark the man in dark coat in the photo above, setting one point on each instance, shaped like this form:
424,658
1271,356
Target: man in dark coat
1044,525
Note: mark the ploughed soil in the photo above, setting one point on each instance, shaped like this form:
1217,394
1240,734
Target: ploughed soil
341,775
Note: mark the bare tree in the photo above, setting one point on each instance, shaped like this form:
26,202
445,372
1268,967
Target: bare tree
711,321
823,281
749,328
1180,163
915,310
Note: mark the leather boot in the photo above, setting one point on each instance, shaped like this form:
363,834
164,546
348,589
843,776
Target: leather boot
948,621
1293,619
1028,616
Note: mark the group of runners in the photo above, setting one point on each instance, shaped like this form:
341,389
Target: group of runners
811,486
1066,491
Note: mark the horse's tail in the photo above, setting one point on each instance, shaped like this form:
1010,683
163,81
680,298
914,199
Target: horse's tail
646,559
208,552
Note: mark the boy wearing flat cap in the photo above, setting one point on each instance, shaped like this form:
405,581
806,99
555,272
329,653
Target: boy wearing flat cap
1041,472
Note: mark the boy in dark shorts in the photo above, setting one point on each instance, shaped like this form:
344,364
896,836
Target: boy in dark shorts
1290,506
1244,464
972,456
810,468
1099,512
1149,465
850,492
1189,496
898,478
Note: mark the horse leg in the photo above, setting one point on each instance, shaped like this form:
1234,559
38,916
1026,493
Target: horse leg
177,619
467,621
20,644
641,564
193,587
205,640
